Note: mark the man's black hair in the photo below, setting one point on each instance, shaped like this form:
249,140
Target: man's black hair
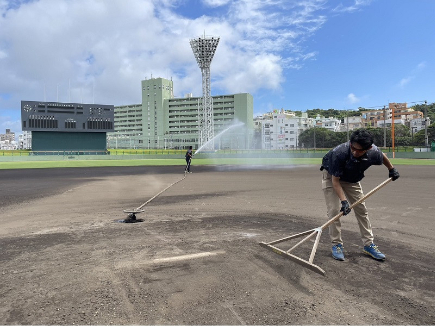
362,137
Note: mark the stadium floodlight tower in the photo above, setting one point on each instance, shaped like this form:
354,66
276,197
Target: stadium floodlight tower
204,49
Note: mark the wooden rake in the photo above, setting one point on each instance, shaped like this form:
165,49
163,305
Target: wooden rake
317,232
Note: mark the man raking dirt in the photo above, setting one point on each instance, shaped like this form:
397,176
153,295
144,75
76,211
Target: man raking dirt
343,168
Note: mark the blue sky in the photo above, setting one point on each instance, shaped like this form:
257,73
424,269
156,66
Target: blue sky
291,54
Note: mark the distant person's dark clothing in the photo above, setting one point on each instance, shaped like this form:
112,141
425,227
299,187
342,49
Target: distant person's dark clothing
189,155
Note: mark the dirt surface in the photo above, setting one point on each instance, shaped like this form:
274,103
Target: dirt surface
196,259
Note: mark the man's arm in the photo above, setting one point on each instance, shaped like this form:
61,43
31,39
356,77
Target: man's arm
337,187
345,208
387,162
392,172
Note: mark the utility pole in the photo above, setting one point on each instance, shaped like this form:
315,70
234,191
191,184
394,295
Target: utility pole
392,129
385,130
426,140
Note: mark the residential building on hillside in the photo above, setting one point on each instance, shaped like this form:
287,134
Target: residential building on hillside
304,122
163,121
351,123
402,115
280,133
397,121
419,124
402,112
280,129
371,118
9,135
375,118
332,124
7,140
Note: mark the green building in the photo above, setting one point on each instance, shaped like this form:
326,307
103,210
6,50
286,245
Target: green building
165,122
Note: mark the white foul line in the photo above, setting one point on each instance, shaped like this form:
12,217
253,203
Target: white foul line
186,257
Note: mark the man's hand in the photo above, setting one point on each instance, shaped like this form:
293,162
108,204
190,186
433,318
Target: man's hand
393,174
345,207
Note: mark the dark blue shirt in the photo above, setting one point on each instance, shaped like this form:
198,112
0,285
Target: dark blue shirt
341,163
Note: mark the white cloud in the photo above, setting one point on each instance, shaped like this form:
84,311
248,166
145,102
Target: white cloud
216,3
404,81
6,122
107,47
421,66
262,71
92,50
414,72
356,5
54,42
352,99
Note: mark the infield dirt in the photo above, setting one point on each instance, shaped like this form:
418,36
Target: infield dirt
196,259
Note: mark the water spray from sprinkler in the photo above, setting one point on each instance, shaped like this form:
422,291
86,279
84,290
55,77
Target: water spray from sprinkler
217,136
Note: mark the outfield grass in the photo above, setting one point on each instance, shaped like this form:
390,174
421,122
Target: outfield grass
181,162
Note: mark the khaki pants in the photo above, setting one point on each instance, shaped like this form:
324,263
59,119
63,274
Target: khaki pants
353,193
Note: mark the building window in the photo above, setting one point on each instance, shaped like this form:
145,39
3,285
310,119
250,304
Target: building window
70,124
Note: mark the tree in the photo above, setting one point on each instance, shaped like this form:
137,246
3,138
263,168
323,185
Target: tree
378,136
419,137
324,138
402,135
329,139
430,110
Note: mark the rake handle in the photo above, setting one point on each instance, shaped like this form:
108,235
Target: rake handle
359,201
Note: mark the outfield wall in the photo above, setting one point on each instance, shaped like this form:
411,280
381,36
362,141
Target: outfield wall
70,157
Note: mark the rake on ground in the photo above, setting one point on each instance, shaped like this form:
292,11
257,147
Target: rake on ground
317,232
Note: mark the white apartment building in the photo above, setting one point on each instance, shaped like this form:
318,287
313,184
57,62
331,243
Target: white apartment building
419,124
9,135
280,131
7,140
352,123
330,123
8,145
397,121
25,140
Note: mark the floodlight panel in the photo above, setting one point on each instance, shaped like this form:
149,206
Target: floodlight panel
204,50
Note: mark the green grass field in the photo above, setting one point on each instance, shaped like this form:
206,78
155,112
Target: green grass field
181,162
